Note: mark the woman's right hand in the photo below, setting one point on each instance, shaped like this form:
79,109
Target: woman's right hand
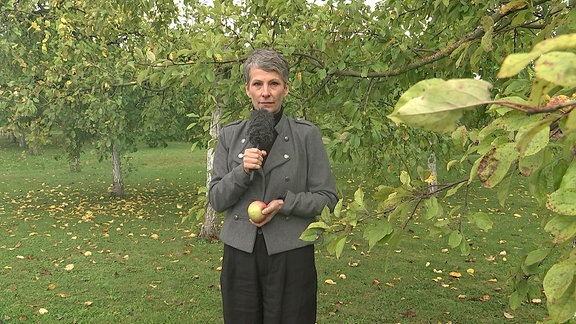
253,159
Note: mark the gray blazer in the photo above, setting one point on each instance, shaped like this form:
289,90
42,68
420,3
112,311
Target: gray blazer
297,169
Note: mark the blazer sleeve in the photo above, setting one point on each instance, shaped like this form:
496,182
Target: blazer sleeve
228,182
321,187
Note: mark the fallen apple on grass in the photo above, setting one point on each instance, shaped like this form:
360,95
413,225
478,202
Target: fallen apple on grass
255,211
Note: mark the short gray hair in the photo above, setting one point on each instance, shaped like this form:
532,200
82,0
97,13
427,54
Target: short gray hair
267,60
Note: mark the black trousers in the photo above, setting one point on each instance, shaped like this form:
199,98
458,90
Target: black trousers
262,289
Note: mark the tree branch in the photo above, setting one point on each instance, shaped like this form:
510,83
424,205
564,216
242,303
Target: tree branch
478,33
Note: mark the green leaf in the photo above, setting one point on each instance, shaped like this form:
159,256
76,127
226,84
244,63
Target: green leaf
405,178
482,220
558,68
533,137
311,234
336,246
563,228
359,197
562,42
441,104
528,164
559,289
519,294
455,239
320,225
494,165
514,63
454,190
515,299
562,201
432,209
488,26
504,189
377,232
150,56
417,90
536,256
465,248
571,122
569,177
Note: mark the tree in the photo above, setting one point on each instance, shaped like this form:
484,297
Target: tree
534,136
71,69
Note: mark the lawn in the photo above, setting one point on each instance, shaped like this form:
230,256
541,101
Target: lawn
71,253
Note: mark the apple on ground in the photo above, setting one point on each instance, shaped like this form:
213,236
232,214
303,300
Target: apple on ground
255,211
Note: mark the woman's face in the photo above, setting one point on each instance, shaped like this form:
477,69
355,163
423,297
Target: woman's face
266,89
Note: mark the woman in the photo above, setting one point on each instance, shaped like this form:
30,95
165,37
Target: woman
268,273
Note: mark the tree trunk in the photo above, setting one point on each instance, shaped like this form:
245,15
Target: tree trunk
74,163
21,141
117,181
433,185
209,229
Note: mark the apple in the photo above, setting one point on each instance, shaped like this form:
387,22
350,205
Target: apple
255,211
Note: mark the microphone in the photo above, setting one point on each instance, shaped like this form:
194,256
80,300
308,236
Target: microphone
261,130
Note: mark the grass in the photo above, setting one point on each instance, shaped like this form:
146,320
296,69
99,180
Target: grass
70,249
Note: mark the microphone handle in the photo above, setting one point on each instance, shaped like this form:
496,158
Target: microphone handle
253,170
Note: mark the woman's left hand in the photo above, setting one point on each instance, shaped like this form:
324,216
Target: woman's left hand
271,209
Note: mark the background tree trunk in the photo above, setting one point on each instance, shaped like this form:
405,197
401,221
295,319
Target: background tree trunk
209,229
117,181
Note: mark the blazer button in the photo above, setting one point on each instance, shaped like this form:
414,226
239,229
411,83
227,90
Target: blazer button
236,217
287,179
287,218
286,138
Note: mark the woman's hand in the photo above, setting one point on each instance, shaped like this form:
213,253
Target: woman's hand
253,159
271,209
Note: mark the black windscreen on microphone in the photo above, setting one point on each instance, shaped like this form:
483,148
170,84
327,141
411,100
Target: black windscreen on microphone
261,129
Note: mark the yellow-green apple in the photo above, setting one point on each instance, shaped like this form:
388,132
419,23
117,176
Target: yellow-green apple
255,211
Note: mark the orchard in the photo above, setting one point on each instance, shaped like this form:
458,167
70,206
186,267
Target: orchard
481,88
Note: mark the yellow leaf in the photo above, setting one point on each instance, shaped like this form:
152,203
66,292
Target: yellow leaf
42,311
88,303
69,267
455,274
470,271
507,315
62,295
219,268
461,296
330,281
431,178
154,236
51,286
34,26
